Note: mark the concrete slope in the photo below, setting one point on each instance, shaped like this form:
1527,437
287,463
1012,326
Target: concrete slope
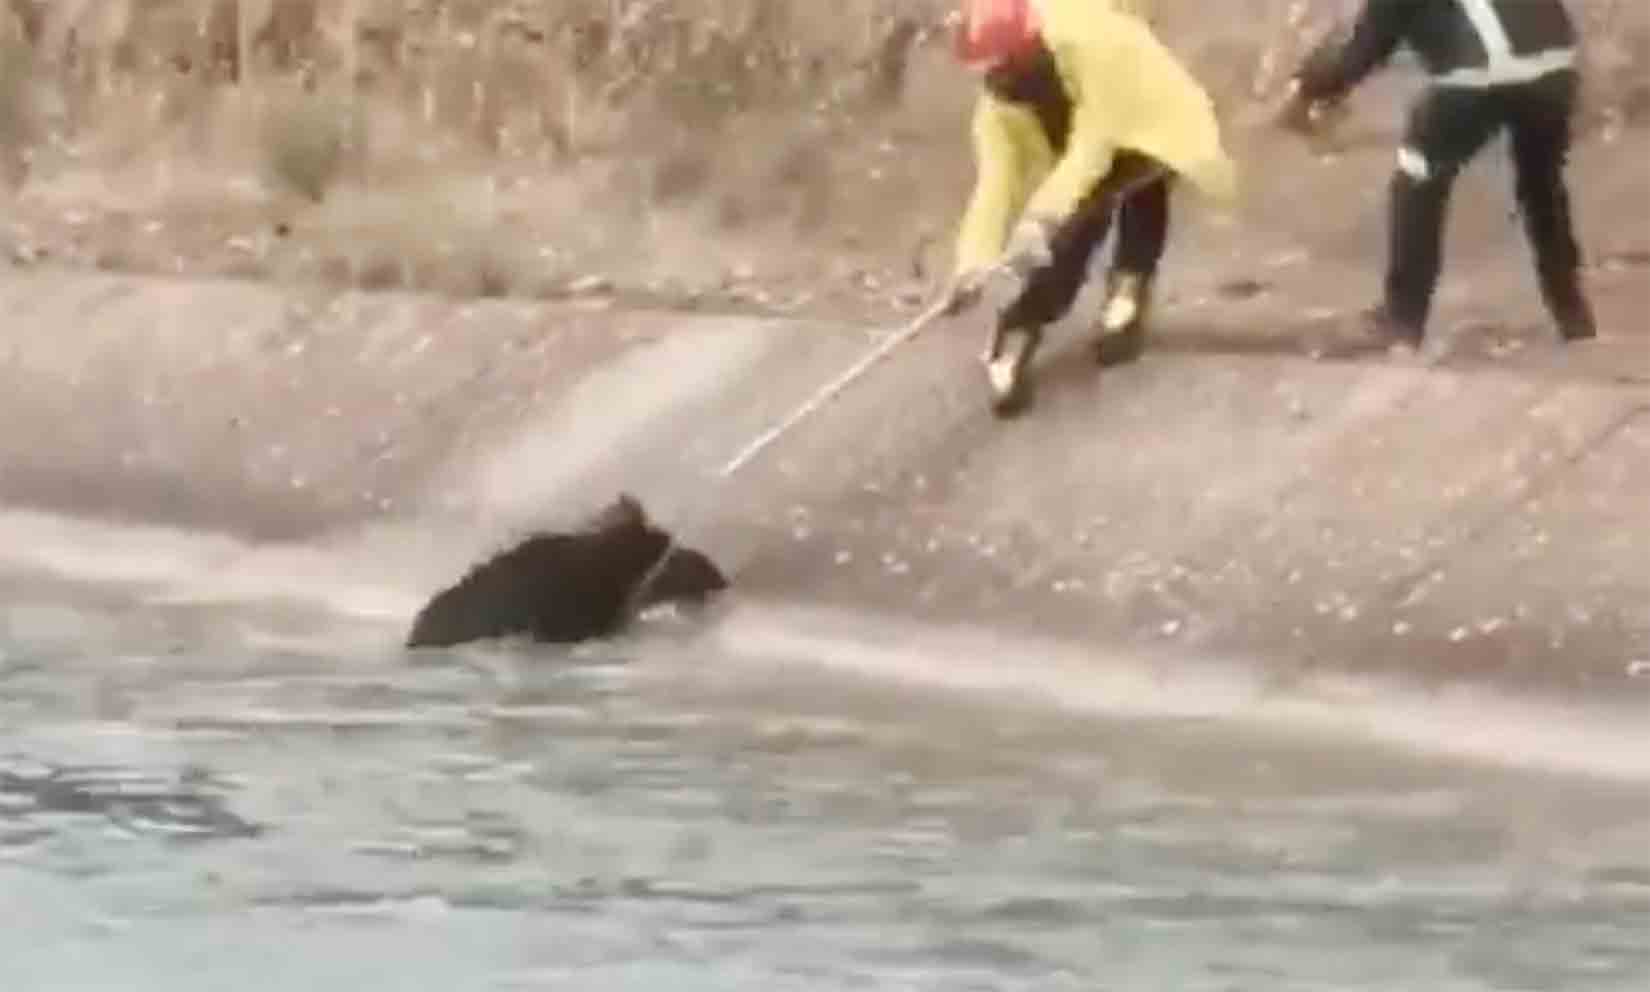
1479,520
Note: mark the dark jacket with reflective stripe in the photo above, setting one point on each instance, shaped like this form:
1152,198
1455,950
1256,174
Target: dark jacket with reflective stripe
1460,42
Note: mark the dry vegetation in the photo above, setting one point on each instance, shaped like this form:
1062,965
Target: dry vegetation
518,146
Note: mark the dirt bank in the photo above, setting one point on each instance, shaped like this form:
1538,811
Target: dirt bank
716,153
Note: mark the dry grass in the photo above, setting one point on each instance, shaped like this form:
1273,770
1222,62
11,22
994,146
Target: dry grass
18,124
640,137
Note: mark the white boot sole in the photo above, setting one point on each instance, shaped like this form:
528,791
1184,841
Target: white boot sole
1000,374
1119,314
1005,372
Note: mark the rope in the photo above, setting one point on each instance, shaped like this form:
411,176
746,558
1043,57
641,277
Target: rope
831,390
821,397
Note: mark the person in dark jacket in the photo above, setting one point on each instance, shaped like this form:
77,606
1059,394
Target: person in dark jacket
1495,64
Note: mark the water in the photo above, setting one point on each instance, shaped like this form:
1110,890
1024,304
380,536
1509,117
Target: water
259,795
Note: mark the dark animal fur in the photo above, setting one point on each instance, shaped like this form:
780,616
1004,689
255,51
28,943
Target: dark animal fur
563,588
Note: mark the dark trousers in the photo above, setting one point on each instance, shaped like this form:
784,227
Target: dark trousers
1447,127
1142,232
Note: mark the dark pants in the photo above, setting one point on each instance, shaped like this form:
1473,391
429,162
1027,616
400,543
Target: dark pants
1142,232
1447,128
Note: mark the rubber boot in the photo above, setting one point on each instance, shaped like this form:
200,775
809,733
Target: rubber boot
1576,323
1008,368
1124,318
1383,328
1568,306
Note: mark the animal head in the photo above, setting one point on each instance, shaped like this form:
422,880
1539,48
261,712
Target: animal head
687,576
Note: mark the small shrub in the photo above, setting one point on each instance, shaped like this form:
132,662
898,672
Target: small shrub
18,124
307,137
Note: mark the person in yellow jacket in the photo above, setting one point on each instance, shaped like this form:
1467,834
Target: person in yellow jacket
1083,112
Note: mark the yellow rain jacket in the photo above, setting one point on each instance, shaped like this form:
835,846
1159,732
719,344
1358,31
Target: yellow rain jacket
1127,91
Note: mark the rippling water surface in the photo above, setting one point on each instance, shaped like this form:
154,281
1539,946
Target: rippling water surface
257,797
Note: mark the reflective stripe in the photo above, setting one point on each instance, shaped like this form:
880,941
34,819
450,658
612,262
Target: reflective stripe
1503,66
1510,69
1413,164
1487,23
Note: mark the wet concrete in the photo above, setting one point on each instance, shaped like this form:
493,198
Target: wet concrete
1479,519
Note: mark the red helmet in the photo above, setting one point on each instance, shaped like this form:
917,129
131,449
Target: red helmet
990,32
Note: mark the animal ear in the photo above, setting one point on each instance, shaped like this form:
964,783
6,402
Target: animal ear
631,507
624,513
